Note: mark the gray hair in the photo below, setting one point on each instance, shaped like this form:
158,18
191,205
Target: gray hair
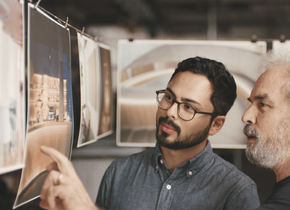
278,57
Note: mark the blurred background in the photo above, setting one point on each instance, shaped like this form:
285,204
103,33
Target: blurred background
110,20
205,19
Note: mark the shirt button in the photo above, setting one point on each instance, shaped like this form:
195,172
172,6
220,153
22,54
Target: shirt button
161,161
168,187
190,173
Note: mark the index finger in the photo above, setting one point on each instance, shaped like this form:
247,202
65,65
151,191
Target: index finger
61,161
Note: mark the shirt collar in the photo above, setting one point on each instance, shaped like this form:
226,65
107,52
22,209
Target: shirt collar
195,163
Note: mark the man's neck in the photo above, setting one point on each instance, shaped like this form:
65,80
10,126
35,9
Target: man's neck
175,158
282,171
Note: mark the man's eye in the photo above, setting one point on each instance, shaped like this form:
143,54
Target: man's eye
168,97
263,105
187,107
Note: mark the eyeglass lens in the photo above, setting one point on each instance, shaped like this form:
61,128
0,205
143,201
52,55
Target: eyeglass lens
165,101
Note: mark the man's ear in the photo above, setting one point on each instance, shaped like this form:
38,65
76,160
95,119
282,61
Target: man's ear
216,125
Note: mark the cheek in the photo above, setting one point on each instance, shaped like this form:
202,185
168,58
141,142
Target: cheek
265,130
267,124
160,113
194,126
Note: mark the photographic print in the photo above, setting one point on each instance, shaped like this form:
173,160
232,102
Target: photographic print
89,61
12,86
106,92
145,66
50,111
276,45
75,66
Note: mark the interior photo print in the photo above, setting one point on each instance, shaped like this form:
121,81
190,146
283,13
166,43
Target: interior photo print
145,66
12,84
106,92
89,63
96,94
50,111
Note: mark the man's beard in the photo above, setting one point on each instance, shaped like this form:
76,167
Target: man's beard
179,143
271,152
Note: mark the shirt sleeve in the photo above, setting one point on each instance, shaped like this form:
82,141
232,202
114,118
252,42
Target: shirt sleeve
279,197
104,189
245,199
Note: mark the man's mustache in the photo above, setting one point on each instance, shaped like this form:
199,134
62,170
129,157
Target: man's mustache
169,122
250,131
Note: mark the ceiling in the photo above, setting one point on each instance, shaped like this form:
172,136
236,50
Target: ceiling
213,18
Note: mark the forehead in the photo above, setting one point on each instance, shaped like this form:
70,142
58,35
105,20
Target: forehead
190,85
271,84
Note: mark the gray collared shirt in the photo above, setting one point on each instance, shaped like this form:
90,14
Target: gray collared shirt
142,181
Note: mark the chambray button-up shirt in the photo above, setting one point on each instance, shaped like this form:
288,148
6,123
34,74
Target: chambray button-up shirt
143,181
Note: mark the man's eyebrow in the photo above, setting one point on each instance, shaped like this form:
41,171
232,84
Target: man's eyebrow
183,99
259,97
170,91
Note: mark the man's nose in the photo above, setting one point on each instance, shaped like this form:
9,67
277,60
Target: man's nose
172,111
249,117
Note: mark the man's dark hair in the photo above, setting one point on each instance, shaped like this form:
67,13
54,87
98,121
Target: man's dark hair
223,83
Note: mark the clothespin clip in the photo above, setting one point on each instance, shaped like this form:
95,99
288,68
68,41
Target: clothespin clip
66,22
97,38
37,3
254,38
83,31
282,38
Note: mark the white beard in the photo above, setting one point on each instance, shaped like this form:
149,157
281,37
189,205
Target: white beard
271,152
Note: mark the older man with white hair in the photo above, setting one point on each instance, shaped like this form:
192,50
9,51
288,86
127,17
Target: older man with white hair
267,128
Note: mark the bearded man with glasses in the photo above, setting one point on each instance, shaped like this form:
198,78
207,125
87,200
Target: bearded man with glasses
182,172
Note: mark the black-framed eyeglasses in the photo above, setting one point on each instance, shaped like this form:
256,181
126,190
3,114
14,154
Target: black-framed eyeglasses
185,111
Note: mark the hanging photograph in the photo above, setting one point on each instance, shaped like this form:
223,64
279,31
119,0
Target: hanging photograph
89,61
75,70
12,86
50,111
145,66
276,45
106,92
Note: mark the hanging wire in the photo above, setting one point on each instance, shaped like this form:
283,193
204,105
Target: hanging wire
253,38
64,23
